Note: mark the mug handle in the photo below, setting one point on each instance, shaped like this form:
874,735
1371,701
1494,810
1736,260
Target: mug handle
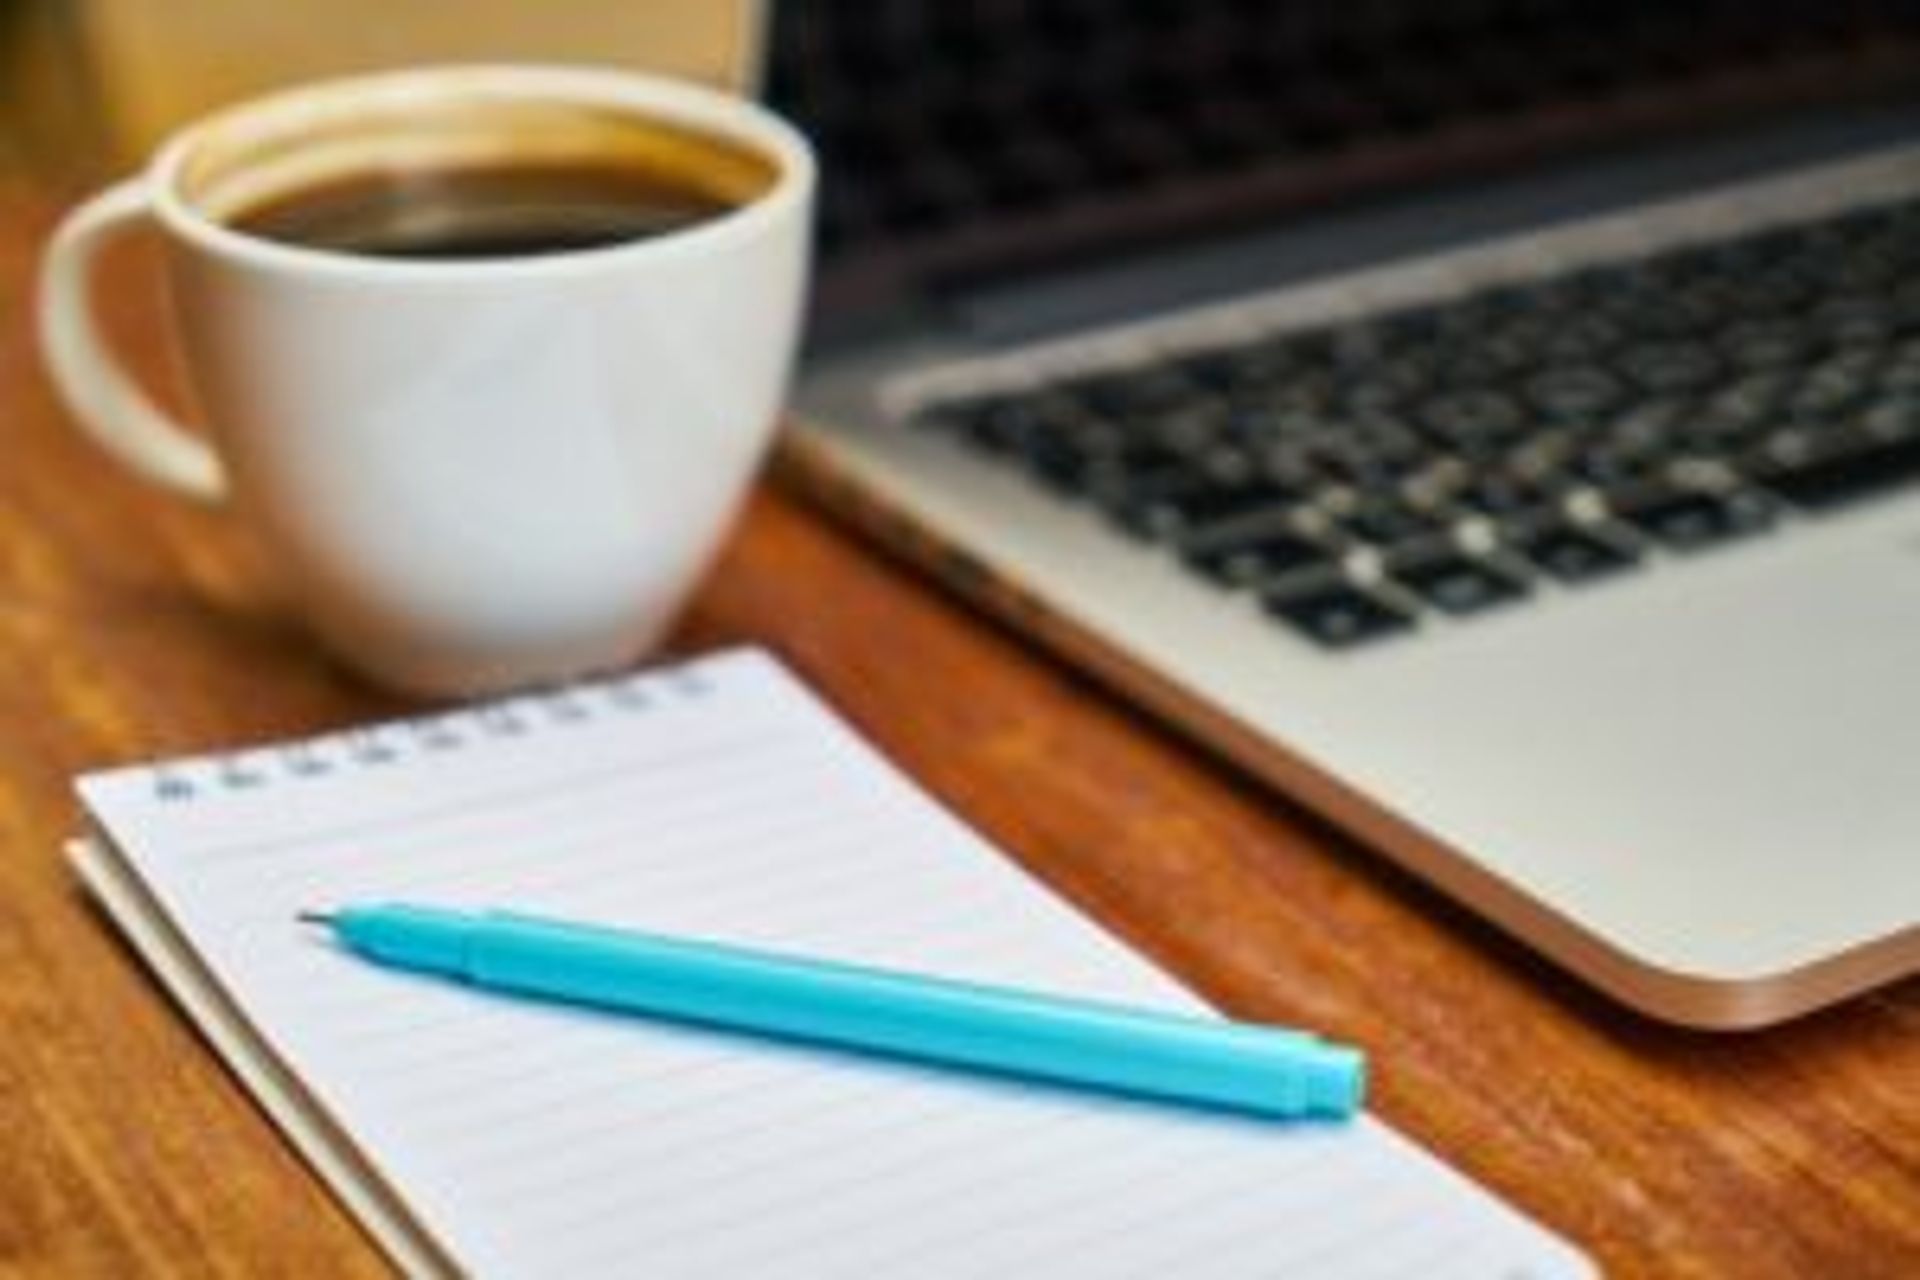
105,401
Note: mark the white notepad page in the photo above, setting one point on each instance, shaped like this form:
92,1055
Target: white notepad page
721,800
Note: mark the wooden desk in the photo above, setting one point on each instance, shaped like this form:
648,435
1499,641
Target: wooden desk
131,625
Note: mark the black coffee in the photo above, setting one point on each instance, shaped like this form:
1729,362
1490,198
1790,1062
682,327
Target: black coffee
472,213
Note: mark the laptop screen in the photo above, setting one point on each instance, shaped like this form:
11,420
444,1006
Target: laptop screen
970,138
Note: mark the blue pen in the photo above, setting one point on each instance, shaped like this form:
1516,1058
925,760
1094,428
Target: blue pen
1268,1070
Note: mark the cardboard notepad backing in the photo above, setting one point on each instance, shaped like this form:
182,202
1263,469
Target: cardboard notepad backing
718,799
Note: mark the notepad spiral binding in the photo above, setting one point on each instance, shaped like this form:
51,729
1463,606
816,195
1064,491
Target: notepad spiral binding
392,742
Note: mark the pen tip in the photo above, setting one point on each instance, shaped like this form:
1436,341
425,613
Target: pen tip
314,917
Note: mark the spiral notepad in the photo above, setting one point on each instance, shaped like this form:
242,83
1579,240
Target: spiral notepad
718,799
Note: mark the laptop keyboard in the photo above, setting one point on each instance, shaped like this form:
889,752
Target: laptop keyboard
1448,460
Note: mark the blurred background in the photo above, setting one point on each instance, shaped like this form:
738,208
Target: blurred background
88,86
1012,129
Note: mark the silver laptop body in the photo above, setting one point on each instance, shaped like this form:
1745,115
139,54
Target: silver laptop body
1695,783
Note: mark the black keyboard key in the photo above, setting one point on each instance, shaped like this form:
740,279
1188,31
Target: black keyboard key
1685,519
1896,418
1385,522
1717,432
1228,368
1538,300
1259,558
962,417
1496,493
1181,507
1412,328
1094,458
1073,455
1767,343
1337,615
1830,477
1130,394
1367,458
1231,465
1690,262
1611,464
1696,309
1856,319
1837,384
1307,348
1785,448
1774,290
1388,442
1494,356
1670,367
1570,553
1360,346
1583,336
1003,423
1289,463
1541,461
1132,501
1309,391
1390,384
1262,420
1900,375
1058,461
1575,393
1457,583
1473,421
1739,410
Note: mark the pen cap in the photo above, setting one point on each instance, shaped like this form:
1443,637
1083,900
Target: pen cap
1333,1079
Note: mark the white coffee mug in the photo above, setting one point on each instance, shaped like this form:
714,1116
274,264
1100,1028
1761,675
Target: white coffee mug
475,473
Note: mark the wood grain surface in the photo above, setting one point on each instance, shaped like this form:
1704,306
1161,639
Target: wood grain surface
131,626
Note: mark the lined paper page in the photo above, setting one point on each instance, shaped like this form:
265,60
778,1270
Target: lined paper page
720,800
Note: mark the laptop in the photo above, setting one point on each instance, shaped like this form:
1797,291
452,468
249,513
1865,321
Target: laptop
1493,425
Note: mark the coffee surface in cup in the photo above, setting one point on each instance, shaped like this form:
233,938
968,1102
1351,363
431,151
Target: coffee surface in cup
494,211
